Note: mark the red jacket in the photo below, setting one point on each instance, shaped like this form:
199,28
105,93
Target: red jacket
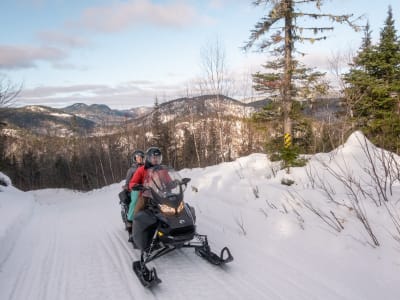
138,177
142,173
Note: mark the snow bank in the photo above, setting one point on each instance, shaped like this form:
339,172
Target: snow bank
4,181
15,209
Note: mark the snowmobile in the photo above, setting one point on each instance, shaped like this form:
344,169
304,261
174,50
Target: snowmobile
167,223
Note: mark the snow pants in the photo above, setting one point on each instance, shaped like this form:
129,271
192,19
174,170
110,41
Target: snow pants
131,211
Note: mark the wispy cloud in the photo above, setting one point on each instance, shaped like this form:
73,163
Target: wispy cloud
16,57
61,39
68,66
125,95
51,91
119,16
217,4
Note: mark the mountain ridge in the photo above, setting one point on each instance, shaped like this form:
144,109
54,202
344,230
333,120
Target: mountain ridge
81,118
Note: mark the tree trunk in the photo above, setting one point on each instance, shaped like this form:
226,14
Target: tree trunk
287,80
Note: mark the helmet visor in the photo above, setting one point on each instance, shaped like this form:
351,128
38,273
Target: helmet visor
155,159
139,157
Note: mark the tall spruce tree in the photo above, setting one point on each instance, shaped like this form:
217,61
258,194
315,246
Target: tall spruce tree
373,87
285,18
161,134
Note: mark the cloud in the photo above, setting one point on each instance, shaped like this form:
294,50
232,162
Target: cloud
217,4
125,95
48,91
119,16
61,39
17,57
316,60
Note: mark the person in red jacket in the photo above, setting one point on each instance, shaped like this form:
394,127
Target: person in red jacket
153,158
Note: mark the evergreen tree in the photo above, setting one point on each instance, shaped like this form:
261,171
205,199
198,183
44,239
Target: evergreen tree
161,135
373,87
156,124
286,17
30,171
188,149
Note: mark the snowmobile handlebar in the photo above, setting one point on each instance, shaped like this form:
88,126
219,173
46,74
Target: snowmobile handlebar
185,181
141,187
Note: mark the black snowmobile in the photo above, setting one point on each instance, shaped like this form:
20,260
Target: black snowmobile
167,223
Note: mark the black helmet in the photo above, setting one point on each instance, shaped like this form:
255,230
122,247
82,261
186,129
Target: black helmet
153,156
136,153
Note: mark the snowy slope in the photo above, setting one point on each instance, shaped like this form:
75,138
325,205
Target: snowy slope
60,244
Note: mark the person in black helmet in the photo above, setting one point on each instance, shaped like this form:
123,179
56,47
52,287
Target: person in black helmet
137,161
153,158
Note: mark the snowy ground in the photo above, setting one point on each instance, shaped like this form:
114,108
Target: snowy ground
61,244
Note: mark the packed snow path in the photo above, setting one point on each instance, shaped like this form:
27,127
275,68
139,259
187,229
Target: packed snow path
73,246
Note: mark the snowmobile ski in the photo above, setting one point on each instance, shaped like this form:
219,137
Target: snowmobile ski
147,277
213,258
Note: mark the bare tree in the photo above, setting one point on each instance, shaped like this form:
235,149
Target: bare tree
217,83
8,93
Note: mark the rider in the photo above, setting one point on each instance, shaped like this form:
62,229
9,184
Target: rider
137,161
153,158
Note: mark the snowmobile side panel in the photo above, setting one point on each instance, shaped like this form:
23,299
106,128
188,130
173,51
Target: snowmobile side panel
143,224
124,197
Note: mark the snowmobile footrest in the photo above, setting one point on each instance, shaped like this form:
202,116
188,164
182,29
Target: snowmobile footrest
147,277
213,258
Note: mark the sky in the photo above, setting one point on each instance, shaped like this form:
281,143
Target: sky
126,53
286,242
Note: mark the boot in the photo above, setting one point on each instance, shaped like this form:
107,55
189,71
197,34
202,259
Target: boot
128,226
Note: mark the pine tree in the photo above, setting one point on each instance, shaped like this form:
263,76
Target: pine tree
160,132
373,87
156,124
283,42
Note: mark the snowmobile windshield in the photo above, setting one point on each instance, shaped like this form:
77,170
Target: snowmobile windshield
163,181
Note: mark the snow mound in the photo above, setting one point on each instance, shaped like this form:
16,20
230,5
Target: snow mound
15,209
4,181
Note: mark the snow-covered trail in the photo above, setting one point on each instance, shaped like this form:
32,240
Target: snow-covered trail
69,249
73,246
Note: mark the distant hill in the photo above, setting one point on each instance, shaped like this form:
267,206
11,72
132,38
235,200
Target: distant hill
46,120
203,106
81,118
102,114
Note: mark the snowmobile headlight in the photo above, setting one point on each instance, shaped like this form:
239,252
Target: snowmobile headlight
180,207
167,209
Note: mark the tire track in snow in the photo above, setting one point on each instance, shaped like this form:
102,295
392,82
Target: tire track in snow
230,276
9,240
37,257
120,254
183,278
